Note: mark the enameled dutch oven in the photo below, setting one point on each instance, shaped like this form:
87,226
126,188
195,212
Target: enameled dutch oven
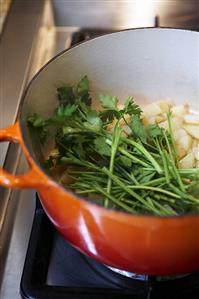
149,64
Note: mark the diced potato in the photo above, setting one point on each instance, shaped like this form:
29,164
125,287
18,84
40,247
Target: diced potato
195,150
180,151
152,109
151,120
179,110
183,139
164,125
176,123
191,119
127,119
160,118
120,106
177,134
165,105
54,152
188,161
193,130
145,120
185,128
127,130
111,126
148,120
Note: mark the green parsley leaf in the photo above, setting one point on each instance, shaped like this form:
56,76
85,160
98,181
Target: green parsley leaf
126,161
83,85
131,108
69,160
36,120
111,111
109,115
82,91
102,147
66,111
65,94
138,129
70,130
109,102
93,123
154,131
38,123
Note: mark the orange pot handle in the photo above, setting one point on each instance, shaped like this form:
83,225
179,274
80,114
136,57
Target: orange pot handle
34,178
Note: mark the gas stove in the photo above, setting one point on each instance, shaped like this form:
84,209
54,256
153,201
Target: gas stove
35,261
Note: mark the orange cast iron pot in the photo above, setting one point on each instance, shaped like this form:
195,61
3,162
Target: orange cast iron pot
146,63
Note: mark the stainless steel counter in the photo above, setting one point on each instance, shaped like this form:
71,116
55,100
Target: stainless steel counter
34,32
4,7
16,207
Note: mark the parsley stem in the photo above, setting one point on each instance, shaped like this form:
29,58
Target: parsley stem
172,155
114,200
172,138
156,189
162,197
127,154
116,137
169,148
133,178
85,191
133,158
155,182
150,201
188,170
164,160
164,209
126,188
144,152
175,171
128,175
184,195
165,166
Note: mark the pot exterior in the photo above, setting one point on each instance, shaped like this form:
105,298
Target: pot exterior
150,245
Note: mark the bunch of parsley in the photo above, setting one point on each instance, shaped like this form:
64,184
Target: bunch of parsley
137,173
